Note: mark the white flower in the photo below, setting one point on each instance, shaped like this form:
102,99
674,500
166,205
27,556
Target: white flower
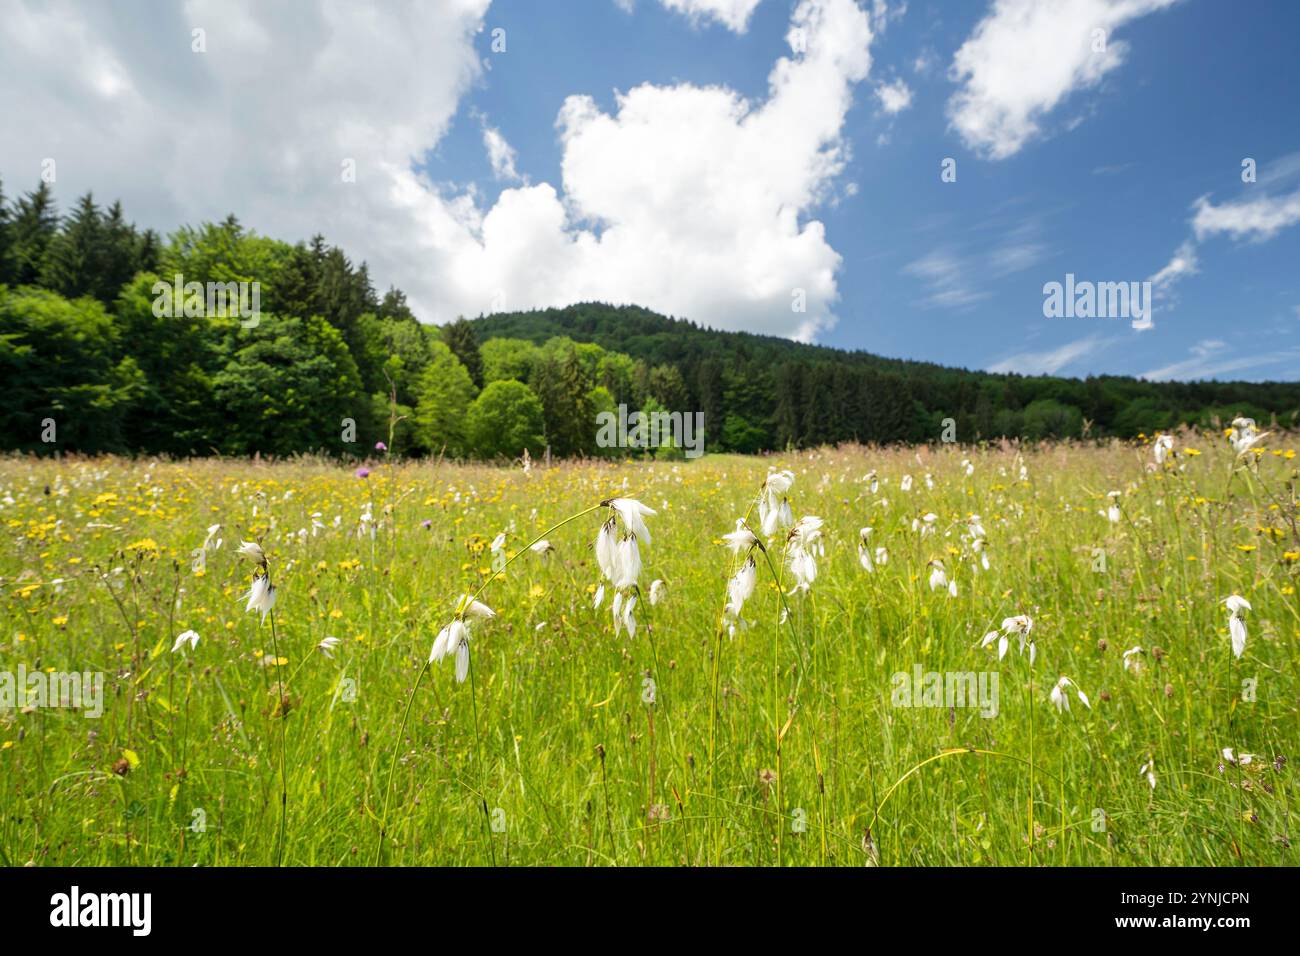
1020,625
806,532
774,518
1236,603
327,646
191,637
657,591
938,576
872,481
468,606
739,590
622,611
804,568
967,467
1002,639
252,550
606,543
1237,608
1132,660
906,483
541,547
1149,768
804,542
212,533
454,638
742,539
864,551
1062,700
1243,435
499,542
1163,446
627,563
600,596
773,508
882,556
632,512
260,596
1239,759
777,484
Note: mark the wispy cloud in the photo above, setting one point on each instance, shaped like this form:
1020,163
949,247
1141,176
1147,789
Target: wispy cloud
1255,219
956,275
500,154
949,277
1051,361
1114,169
1213,358
1183,264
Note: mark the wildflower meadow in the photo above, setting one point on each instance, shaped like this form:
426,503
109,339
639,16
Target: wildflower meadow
1025,654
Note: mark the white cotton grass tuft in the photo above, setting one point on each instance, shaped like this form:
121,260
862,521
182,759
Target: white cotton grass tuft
186,637
864,550
1061,699
1244,435
1237,607
1239,759
618,555
1020,626
212,542
1133,659
774,513
804,545
454,638
740,588
251,550
657,591
632,513
742,539
328,645
261,595
1148,770
939,578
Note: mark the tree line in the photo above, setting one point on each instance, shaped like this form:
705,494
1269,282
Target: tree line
91,363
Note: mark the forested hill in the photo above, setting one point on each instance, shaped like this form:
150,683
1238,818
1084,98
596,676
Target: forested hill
808,394
219,340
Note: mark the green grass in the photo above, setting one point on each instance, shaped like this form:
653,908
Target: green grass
550,754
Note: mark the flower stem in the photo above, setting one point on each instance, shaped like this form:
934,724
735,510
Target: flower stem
392,769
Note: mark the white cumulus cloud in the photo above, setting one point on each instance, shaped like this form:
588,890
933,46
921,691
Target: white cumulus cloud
695,201
1025,57
733,14
894,97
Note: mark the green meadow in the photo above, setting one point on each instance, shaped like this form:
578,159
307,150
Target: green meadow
793,733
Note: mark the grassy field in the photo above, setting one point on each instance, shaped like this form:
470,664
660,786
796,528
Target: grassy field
786,742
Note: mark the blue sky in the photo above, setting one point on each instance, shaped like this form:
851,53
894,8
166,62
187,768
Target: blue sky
694,157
